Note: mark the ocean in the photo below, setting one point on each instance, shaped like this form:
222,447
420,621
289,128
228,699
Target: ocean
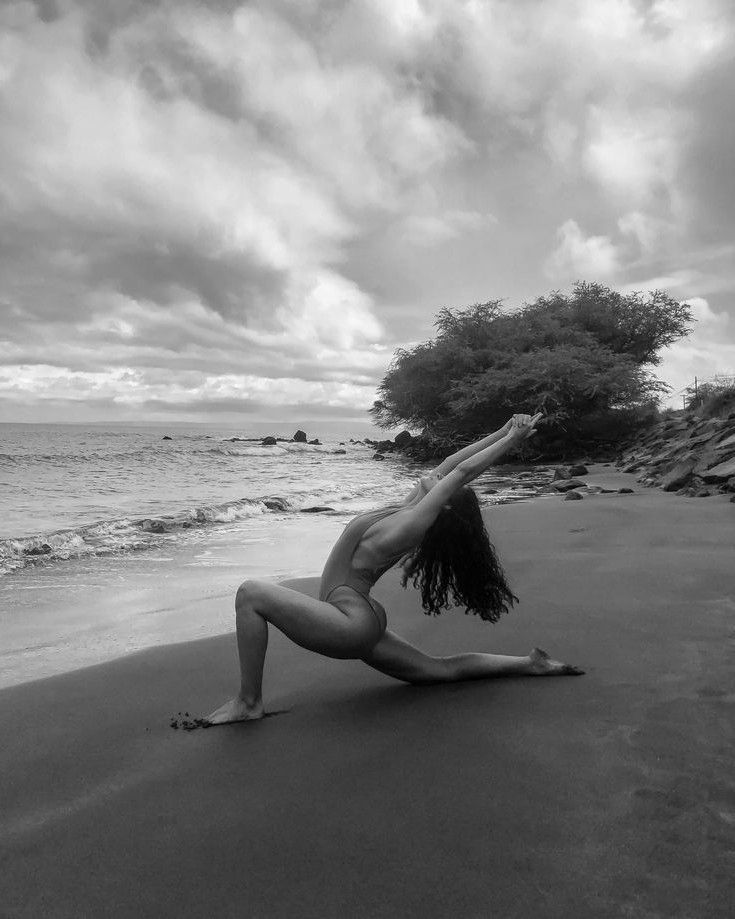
110,535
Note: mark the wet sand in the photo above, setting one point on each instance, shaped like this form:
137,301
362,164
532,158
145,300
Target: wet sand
606,795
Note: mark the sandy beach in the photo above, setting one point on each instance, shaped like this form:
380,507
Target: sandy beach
606,795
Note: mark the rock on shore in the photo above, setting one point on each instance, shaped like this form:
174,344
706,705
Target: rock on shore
686,454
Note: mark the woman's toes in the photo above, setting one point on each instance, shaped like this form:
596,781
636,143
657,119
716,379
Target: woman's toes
570,670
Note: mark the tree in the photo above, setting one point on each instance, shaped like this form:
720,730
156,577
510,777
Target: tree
579,358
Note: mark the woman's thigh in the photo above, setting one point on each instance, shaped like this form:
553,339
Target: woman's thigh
345,631
398,658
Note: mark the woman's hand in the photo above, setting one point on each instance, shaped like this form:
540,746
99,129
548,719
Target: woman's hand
511,421
523,426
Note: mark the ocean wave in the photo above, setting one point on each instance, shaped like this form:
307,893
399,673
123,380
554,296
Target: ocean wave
128,534
170,452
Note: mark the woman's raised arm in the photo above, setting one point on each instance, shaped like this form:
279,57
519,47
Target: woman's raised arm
424,512
451,462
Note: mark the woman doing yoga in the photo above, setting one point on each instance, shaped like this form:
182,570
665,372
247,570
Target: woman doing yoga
438,535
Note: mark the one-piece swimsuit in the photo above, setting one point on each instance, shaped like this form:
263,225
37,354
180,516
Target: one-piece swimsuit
345,586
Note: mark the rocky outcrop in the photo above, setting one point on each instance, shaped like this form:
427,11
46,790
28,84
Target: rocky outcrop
299,437
685,454
269,441
401,443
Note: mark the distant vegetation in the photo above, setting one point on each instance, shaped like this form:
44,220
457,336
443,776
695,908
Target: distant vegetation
712,399
579,358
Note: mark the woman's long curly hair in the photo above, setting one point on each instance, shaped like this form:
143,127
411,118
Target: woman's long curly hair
456,559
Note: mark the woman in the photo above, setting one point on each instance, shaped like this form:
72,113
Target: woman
438,534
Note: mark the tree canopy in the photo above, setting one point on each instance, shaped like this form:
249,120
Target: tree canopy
580,358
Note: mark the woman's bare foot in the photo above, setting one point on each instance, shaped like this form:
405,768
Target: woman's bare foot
543,665
236,710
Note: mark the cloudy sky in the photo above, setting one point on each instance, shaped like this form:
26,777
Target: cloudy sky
236,211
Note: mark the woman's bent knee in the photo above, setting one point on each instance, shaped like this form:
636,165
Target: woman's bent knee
248,594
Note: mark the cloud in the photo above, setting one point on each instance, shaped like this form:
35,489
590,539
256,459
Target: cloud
580,256
433,229
708,351
279,191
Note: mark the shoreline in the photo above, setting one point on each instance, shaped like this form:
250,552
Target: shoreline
604,795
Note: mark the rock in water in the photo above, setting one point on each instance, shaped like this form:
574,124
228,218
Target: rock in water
299,437
152,526
579,469
269,441
572,496
402,440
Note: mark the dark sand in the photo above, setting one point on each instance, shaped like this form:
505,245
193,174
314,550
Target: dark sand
611,794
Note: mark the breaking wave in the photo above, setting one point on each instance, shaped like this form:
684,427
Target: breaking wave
129,534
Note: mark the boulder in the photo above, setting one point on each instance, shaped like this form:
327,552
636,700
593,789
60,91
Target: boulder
378,456
338,451
727,443
152,526
567,485
572,496
316,442
299,437
680,474
402,440
579,469
269,441
625,491
730,484
276,504
384,446
166,437
317,509
721,472
561,472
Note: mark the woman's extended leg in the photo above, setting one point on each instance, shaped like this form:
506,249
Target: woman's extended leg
397,658
311,623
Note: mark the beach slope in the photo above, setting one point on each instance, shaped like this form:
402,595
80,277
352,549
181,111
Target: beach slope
606,795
